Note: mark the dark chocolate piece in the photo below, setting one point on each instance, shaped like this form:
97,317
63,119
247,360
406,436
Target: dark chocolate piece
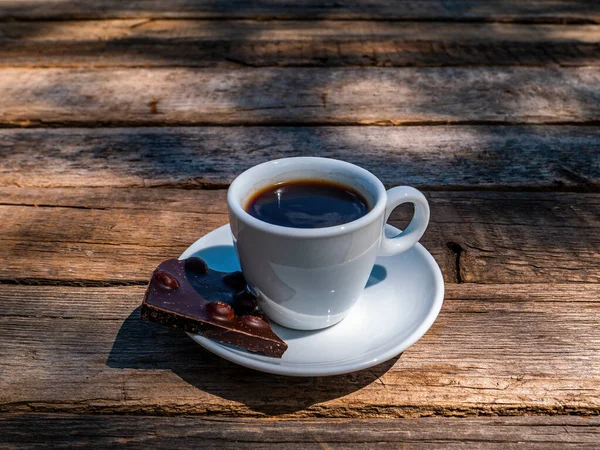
187,294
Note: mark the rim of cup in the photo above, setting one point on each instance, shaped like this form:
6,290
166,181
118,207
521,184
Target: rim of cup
326,166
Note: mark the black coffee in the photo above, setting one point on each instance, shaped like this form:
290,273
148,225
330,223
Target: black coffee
307,204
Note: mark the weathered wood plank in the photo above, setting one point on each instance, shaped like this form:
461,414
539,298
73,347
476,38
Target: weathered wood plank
64,430
292,43
494,350
452,157
553,11
275,30
118,236
34,97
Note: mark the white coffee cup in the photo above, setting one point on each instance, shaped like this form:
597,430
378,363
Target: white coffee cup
309,279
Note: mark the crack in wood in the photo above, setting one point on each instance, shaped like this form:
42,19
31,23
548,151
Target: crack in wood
153,105
39,205
54,317
573,176
458,250
75,283
278,122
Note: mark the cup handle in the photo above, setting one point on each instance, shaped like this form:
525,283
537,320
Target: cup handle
417,226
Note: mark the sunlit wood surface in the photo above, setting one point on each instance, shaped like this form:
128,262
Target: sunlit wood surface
122,125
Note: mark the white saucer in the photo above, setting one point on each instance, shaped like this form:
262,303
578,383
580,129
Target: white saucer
402,300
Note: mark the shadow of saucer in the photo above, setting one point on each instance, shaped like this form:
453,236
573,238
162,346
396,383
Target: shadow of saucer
144,345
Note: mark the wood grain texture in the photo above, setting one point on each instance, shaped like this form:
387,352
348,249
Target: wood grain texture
205,43
371,96
445,157
64,430
84,236
275,30
552,11
494,350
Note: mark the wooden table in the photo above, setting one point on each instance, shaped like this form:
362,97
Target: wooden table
123,124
